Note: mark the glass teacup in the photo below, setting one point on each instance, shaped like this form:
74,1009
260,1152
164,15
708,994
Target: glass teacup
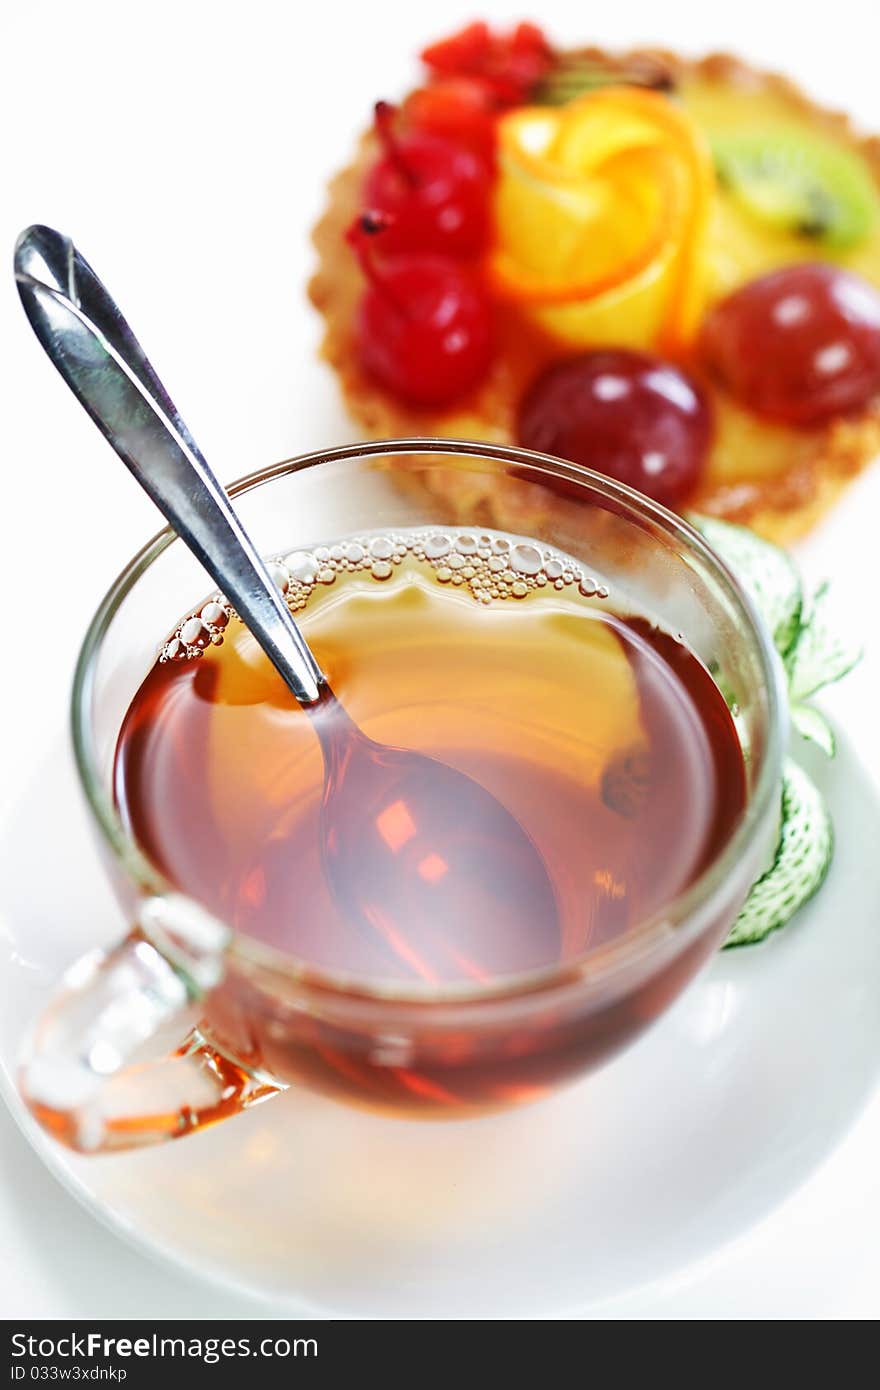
257,1020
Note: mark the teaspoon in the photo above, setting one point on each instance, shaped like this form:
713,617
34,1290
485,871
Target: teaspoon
416,852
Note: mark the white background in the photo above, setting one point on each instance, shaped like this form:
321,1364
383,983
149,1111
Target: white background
185,147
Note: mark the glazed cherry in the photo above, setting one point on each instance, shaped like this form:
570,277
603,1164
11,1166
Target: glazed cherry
509,65
800,345
458,109
425,325
627,414
435,193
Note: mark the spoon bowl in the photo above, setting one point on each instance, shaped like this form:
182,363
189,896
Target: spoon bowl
428,862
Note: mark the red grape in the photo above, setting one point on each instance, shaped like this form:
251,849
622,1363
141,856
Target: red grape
800,345
627,414
425,325
435,193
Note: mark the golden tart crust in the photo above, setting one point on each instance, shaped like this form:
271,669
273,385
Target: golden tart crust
781,504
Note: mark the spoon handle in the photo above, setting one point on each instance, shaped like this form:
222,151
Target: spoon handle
85,335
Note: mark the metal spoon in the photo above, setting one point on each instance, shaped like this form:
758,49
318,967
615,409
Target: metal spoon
445,878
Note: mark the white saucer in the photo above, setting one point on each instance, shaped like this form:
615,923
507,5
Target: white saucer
622,1182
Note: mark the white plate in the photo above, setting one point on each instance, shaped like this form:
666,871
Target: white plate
622,1181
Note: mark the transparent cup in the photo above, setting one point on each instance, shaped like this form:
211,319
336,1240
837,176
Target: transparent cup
187,1022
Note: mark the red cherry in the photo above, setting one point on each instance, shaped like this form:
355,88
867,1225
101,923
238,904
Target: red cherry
627,414
464,51
800,345
435,194
425,324
460,109
528,58
510,64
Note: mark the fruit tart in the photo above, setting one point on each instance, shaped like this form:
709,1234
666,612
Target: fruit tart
665,269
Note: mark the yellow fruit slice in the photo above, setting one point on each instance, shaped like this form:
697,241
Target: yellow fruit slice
589,258
544,211
607,196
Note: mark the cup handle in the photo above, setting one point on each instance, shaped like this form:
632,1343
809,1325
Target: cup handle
77,1076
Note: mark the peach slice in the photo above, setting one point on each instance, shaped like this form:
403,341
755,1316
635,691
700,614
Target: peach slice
601,209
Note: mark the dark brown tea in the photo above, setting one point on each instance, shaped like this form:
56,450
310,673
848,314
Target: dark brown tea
604,737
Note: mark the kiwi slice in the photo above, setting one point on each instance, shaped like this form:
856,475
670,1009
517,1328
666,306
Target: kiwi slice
799,181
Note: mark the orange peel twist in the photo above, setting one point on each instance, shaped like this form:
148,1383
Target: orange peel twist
601,210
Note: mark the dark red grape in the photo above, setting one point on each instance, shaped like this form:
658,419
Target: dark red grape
800,345
627,414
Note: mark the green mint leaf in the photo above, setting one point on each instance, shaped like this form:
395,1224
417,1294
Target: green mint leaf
811,724
766,572
819,654
803,855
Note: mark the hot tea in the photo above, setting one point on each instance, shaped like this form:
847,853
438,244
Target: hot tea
603,736
472,864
